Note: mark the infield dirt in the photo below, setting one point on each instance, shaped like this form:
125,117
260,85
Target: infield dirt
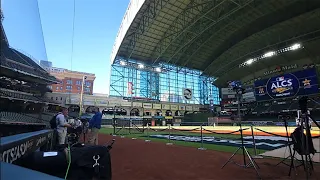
140,160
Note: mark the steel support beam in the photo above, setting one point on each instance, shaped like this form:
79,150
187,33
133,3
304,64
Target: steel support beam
187,19
202,37
148,16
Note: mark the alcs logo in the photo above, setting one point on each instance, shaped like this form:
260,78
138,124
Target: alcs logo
281,85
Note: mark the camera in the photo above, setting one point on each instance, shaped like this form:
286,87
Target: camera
235,84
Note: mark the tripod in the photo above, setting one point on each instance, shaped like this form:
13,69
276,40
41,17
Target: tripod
84,129
245,152
292,155
306,144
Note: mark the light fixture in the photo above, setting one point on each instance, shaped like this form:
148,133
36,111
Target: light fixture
158,69
295,46
250,61
269,54
123,63
141,66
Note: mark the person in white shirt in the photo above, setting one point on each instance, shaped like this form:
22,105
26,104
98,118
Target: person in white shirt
62,125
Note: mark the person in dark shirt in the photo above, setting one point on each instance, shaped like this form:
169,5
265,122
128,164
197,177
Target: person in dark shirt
94,126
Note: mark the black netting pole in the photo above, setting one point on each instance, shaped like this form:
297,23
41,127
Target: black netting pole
169,143
148,134
201,134
253,141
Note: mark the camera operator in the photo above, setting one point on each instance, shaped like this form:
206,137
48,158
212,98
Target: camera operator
62,125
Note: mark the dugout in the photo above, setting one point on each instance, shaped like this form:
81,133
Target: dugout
168,120
158,121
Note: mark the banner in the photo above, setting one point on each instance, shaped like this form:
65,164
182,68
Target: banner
130,88
101,102
114,103
73,100
147,105
248,97
288,85
174,107
89,102
17,146
195,108
182,108
136,104
165,106
188,108
156,106
227,91
126,104
187,94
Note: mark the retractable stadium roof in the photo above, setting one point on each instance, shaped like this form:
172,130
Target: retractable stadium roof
216,36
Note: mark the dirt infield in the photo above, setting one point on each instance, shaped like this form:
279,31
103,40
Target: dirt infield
137,160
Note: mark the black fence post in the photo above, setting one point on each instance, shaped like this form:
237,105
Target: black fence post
201,133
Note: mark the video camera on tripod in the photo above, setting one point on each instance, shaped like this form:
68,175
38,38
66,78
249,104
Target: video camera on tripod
302,142
239,90
236,86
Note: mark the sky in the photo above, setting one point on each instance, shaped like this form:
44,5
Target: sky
96,23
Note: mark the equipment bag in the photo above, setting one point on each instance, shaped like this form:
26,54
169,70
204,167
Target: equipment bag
53,122
90,161
86,162
299,142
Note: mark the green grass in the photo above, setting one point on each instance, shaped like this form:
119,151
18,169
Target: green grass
144,136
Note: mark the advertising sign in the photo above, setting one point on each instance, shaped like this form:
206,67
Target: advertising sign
188,108
187,94
147,105
248,97
101,102
182,108
166,106
130,88
281,68
126,104
227,91
136,104
10,151
292,84
174,107
156,106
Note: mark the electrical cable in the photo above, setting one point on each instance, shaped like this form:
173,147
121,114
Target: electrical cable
72,41
69,162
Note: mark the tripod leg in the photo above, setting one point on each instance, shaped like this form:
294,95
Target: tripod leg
292,165
303,163
254,164
310,160
231,157
252,160
283,161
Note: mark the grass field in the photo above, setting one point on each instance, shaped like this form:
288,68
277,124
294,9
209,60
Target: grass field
144,136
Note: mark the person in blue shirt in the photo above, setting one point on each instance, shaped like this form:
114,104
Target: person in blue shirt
94,126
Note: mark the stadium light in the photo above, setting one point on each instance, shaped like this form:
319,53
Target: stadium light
158,69
123,63
250,61
141,66
295,47
269,54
